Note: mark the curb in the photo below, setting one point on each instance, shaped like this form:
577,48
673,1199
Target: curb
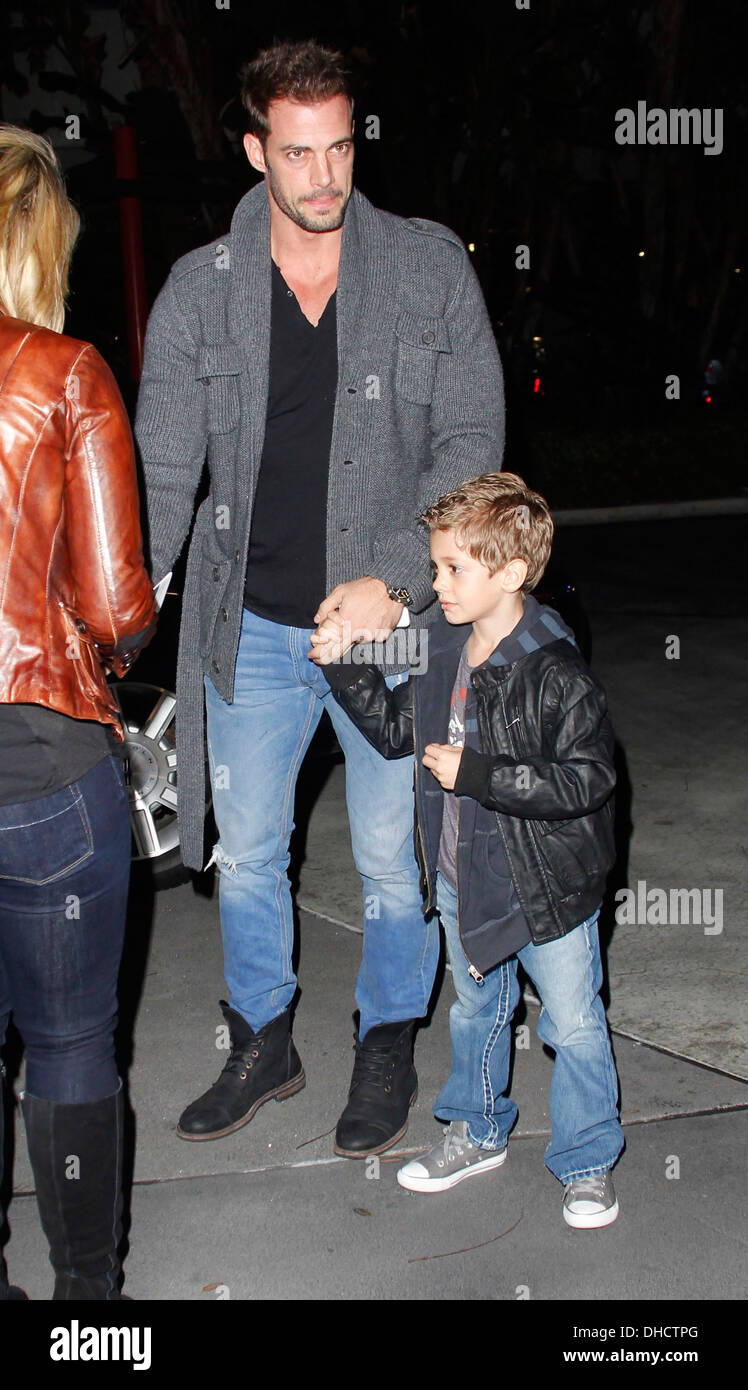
652,511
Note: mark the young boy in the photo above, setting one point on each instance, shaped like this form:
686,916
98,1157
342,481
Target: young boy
514,834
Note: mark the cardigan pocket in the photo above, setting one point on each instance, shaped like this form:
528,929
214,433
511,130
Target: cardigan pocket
214,578
419,342
218,365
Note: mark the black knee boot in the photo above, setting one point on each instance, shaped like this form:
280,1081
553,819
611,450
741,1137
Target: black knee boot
76,1155
7,1291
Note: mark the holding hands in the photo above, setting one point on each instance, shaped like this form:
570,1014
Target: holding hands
330,641
359,611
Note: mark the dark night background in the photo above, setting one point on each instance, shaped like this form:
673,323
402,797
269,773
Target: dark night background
495,120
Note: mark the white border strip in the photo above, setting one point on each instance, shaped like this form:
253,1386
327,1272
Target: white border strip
652,511
336,922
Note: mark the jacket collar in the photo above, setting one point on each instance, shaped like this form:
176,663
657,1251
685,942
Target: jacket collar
538,627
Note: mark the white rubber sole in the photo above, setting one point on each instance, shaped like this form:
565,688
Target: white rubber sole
590,1221
416,1184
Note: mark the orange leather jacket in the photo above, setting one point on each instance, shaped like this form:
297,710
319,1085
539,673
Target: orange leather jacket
75,597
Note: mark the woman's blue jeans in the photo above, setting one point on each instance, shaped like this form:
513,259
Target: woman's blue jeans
256,745
64,876
586,1136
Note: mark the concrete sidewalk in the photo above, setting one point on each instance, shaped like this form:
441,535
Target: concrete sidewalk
271,1213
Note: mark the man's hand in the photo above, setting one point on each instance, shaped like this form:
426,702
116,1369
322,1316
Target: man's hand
363,610
444,761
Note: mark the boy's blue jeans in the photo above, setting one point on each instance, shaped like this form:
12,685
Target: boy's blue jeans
586,1135
255,746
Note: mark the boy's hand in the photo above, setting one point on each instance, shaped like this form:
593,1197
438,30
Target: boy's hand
365,605
330,640
444,761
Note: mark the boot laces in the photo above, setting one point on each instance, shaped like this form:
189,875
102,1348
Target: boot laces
242,1059
371,1064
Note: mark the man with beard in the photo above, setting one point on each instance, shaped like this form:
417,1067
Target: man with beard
337,365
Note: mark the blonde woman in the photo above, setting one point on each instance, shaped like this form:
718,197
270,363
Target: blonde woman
75,603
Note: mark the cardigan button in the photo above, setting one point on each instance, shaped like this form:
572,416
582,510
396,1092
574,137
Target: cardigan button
224,615
216,572
216,667
428,336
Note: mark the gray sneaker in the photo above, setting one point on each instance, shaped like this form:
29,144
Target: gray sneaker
455,1157
590,1201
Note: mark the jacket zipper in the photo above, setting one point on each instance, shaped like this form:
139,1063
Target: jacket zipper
423,854
415,793
471,968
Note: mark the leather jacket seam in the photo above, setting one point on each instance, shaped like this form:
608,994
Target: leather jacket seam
21,491
90,471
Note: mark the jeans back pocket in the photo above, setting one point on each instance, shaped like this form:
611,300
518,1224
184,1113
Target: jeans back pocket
45,839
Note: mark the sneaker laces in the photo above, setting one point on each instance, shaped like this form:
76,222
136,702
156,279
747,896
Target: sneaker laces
454,1144
595,1182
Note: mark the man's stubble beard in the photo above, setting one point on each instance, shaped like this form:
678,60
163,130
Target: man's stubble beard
298,217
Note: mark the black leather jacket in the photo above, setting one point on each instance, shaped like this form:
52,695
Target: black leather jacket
545,769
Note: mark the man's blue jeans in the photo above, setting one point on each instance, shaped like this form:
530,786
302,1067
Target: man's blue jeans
64,878
255,746
586,1136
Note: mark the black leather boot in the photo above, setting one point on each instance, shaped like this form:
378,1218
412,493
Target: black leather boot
76,1155
384,1085
8,1291
261,1066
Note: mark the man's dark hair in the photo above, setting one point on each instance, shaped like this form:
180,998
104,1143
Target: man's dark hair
302,72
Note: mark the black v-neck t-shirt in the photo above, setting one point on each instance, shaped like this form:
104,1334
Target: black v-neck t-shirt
286,576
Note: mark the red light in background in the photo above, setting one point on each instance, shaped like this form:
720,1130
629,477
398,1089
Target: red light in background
536,385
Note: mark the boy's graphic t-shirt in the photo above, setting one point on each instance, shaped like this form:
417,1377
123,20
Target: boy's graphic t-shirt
456,739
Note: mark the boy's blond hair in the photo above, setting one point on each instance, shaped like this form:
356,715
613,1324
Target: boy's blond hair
497,518
38,229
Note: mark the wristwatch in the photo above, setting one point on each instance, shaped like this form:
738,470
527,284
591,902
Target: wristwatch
400,596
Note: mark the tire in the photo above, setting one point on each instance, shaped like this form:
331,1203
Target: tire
148,717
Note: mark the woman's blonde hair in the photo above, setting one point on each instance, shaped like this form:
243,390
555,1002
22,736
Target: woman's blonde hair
38,229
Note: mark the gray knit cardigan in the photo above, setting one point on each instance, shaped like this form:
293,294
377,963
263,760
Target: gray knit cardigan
419,407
